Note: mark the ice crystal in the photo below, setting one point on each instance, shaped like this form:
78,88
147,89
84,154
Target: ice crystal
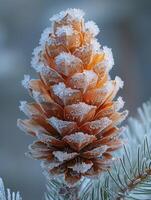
92,28
75,14
81,167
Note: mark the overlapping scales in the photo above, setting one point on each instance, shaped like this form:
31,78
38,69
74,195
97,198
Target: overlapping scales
75,116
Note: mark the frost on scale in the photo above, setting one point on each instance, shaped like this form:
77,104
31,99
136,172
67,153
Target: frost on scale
45,36
64,30
66,95
62,156
81,167
74,14
63,127
26,81
92,28
109,60
68,64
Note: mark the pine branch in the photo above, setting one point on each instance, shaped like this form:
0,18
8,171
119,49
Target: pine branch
132,178
8,195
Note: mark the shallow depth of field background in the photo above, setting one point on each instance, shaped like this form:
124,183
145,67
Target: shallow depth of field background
125,26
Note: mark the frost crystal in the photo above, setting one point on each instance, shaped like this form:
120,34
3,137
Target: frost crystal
78,137
38,96
81,109
81,167
100,124
24,108
65,57
62,156
119,104
61,91
50,165
35,62
96,47
61,125
64,30
75,14
26,81
119,82
45,36
108,57
92,28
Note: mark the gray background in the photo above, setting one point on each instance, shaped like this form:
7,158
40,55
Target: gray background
125,26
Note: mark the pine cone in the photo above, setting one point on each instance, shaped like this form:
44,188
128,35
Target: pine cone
74,116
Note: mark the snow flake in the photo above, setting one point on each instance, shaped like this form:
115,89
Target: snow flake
64,30
81,167
92,28
62,156
75,14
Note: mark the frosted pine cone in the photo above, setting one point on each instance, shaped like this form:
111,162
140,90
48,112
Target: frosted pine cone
74,117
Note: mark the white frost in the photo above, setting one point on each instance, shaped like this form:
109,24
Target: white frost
35,61
119,103
81,167
119,82
62,92
109,60
65,57
78,137
76,14
92,28
26,81
61,125
64,30
81,109
38,96
62,156
96,46
45,36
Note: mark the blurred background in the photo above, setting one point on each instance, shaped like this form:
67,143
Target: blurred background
125,27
